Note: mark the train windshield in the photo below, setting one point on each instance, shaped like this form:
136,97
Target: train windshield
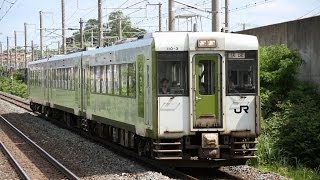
172,74
242,75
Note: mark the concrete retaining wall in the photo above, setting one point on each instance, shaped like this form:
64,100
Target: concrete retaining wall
301,35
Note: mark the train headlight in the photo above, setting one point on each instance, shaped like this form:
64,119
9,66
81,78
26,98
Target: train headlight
210,140
203,43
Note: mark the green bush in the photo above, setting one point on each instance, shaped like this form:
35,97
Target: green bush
291,125
278,68
14,86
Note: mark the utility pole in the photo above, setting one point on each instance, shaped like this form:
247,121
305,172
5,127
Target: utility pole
32,51
244,26
25,45
215,15
64,47
1,52
81,33
120,29
171,15
226,29
15,49
8,52
41,35
58,47
100,23
91,37
10,61
160,17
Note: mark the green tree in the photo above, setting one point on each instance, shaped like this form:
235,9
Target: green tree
112,29
278,68
127,28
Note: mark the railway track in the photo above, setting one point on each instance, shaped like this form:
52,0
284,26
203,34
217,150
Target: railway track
14,163
28,152
153,164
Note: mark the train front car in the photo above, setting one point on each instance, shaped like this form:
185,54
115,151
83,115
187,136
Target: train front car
208,98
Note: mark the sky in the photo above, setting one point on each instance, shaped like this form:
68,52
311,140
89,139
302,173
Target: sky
252,13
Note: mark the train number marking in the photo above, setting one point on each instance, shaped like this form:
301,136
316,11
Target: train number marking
245,108
172,48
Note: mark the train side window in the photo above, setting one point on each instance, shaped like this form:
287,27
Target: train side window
104,79
116,79
55,78
65,78
124,80
71,79
92,79
132,80
75,72
58,78
64,84
97,79
110,79
206,77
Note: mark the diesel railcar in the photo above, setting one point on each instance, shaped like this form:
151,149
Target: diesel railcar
173,96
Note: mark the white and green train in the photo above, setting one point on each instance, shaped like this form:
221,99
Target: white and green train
174,96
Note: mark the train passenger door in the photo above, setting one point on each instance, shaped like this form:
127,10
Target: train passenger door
206,69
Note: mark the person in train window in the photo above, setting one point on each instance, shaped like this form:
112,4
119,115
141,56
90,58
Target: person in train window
164,89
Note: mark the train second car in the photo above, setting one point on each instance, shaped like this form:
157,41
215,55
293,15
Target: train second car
177,96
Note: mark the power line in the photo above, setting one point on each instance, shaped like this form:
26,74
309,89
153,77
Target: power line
2,4
12,3
250,5
309,12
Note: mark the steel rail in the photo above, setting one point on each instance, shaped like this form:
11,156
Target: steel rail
13,100
22,174
46,155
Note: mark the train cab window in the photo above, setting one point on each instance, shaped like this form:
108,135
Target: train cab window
172,73
206,77
242,72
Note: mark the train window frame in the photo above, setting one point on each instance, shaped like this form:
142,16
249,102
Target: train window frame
181,58
251,56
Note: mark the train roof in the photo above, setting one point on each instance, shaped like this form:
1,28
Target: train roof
179,41
187,41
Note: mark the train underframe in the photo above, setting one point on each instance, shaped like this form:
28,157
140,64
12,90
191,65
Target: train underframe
187,151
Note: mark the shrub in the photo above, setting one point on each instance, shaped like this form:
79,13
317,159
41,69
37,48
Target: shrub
291,127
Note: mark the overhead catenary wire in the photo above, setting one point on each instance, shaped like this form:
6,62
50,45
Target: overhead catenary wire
12,4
